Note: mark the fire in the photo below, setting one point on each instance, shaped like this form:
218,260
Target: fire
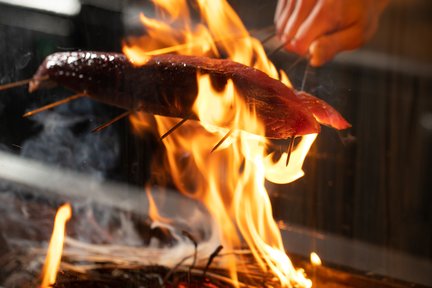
280,173
231,180
55,248
315,259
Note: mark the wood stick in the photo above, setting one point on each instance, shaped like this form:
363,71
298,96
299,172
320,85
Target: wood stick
20,83
172,129
222,140
15,84
210,260
195,255
174,269
110,122
55,104
276,50
268,38
290,149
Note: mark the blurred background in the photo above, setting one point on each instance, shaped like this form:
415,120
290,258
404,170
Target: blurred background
370,184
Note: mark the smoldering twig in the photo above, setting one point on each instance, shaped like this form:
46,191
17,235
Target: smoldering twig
210,260
84,258
173,270
193,240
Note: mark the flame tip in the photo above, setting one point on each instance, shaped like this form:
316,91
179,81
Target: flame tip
55,248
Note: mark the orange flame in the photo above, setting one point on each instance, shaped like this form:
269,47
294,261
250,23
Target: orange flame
315,259
231,180
55,248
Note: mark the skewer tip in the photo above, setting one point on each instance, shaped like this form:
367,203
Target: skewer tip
55,104
110,122
290,149
222,140
172,129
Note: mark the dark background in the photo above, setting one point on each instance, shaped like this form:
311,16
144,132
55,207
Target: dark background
372,183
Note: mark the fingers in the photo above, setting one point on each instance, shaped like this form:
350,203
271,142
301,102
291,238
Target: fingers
301,11
326,47
285,14
279,8
323,28
316,24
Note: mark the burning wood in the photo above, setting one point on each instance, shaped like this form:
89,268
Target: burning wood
83,264
242,100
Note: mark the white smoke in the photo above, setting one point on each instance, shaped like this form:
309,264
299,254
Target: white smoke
59,144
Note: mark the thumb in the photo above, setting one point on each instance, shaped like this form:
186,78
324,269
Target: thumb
326,47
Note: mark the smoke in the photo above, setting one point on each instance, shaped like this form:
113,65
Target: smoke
65,143
23,60
98,224
27,223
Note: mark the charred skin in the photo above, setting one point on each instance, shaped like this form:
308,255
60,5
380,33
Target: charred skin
167,85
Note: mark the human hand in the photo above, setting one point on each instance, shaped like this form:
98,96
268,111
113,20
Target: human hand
322,28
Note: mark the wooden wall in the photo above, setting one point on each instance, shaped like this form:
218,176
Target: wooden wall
377,186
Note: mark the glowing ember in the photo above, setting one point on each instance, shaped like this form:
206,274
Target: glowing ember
315,259
55,248
231,180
